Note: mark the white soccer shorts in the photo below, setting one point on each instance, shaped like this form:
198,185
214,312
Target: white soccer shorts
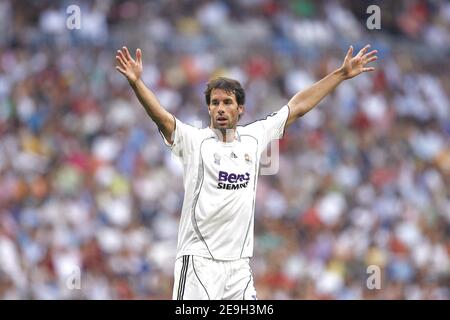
199,278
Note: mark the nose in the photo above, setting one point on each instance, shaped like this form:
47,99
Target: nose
221,109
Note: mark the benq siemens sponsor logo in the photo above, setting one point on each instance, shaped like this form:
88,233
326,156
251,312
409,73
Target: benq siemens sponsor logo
233,181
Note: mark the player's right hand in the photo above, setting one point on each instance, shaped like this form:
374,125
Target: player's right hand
130,68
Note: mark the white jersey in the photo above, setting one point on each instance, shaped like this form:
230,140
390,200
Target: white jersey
220,186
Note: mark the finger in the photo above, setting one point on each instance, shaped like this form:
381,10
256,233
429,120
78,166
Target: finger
349,53
371,59
127,54
138,56
368,69
120,70
371,53
122,56
363,50
122,63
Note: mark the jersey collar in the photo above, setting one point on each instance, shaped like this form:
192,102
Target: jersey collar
237,136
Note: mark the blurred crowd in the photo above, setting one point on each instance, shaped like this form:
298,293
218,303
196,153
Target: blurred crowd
90,197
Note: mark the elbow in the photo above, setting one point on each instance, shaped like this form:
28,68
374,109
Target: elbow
298,110
301,113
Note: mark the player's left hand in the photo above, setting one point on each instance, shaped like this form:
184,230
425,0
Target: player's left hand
353,66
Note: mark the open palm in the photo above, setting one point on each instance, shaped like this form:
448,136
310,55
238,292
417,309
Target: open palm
130,68
353,66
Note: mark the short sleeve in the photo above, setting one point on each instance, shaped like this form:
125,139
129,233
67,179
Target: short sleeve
184,136
270,128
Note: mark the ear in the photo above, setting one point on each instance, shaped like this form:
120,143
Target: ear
241,109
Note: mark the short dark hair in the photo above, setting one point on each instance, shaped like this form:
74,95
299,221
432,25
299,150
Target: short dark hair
229,86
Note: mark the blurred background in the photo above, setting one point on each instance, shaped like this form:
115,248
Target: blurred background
88,188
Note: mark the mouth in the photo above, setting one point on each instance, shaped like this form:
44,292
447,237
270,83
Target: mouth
221,120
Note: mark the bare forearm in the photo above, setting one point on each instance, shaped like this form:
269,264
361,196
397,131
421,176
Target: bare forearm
132,70
305,100
163,119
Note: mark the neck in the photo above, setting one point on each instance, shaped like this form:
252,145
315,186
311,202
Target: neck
225,135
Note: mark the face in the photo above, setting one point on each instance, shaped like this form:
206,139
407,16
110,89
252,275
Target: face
224,110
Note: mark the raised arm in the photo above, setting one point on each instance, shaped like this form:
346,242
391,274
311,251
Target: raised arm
132,70
307,99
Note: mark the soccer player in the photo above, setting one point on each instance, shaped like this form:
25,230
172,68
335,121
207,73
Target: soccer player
221,163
